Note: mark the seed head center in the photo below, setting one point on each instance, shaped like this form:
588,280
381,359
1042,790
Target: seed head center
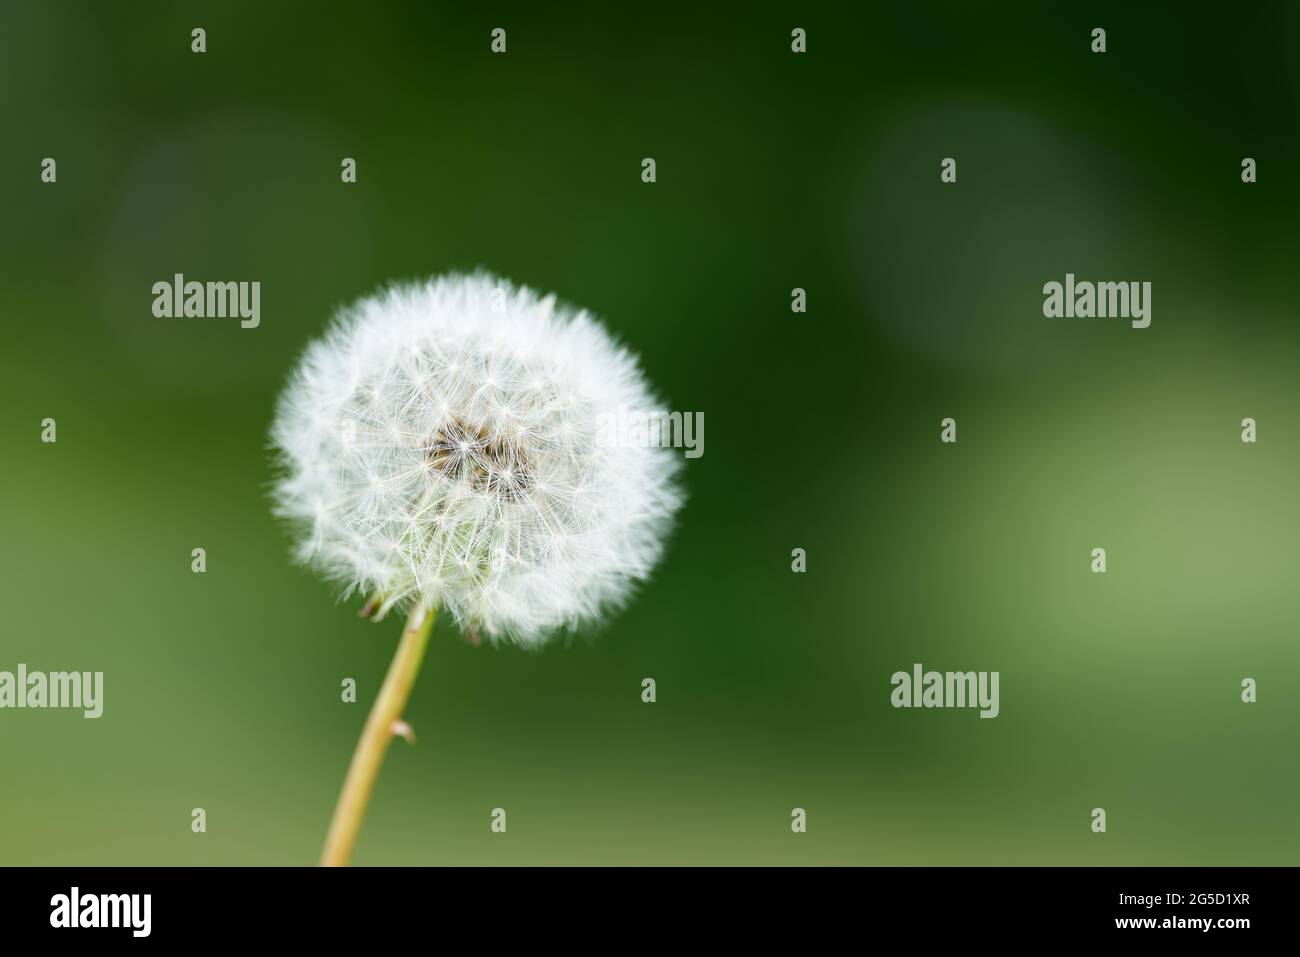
471,454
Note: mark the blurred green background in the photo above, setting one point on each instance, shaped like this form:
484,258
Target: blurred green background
822,430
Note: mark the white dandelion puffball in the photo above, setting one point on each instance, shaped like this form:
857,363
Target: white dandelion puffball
443,443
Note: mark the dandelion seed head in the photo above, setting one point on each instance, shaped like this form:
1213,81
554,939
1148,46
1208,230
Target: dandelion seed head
440,444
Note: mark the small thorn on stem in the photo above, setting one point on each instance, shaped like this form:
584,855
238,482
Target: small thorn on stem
403,730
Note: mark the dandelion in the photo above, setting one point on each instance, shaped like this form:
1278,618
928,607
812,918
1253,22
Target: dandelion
439,448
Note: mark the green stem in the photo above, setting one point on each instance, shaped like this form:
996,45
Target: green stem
376,736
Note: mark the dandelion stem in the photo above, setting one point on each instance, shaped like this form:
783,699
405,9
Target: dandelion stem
376,736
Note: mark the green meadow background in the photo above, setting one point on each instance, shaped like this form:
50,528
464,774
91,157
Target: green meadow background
775,171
